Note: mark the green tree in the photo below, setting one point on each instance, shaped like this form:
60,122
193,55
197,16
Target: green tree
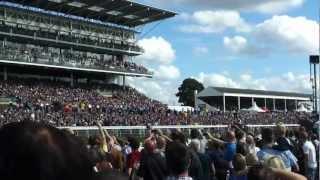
186,91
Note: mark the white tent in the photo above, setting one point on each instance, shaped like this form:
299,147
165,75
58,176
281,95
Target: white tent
254,108
181,108
302,109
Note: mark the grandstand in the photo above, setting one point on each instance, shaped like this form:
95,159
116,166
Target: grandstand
73,39
65,62
228,99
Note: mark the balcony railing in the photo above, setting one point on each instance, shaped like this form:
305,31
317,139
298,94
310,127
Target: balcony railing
73,39
71,60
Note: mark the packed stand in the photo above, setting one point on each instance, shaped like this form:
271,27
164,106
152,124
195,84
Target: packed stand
61,105
40,151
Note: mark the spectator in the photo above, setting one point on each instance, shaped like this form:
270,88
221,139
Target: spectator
242,146
178,161
37,151
263,173
206,164
230,146
240,167
134,157
266,152
283,143
216,155
252,148
152,164
195,168
310,160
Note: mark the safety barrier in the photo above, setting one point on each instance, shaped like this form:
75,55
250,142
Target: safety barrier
140,131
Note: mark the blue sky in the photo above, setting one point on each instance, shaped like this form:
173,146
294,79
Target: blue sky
253,44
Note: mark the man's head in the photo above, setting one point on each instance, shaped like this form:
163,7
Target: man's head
38,151
177,158
134,143
230,136
178,136
240,135
267,136
161,143
304,136
250,140
239,162
195,134
280,131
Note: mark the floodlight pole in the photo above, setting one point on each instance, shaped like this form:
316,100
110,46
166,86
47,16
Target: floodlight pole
314,60
315,88
319,88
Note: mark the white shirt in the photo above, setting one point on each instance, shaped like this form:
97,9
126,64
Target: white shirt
203,145
310,150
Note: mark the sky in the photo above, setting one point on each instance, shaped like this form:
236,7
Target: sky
256,44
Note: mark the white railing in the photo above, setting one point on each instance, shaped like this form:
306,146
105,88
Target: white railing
77,128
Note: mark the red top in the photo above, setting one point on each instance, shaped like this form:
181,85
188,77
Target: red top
133,158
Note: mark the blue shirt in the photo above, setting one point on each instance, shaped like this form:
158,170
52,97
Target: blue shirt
230,151
287,157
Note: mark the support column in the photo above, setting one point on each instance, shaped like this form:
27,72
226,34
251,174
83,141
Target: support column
315,89
224,103
239,105
285,105
274,104
265,103
252,101
72,80
4,42
195,99
124,81
296,104
5,73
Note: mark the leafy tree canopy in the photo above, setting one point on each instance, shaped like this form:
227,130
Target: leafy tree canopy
186,91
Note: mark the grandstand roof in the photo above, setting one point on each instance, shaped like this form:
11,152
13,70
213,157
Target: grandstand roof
220,91
120,12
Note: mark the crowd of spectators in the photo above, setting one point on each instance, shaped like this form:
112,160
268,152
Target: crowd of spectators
61,105
40,151
64,57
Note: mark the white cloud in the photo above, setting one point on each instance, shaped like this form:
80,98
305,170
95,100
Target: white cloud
245,77
262,6
295,34
157,51
216,79
236,43
240,45
159,57
167,72
214,22
163,91
278,34
278,6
